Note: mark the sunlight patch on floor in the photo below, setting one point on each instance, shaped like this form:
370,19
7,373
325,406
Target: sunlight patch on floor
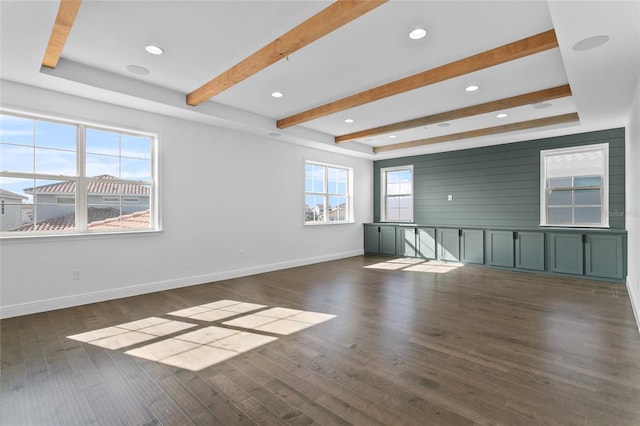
206,345
416,265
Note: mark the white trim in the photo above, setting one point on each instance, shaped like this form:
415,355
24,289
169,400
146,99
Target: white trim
635,303
44,305
326,194
383,196
605,184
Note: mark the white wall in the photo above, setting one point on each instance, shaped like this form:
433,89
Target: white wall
223,193
632,198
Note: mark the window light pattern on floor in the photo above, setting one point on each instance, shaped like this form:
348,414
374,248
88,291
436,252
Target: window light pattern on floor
206,345
416,265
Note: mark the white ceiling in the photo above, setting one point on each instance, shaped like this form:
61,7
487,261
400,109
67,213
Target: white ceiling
204,38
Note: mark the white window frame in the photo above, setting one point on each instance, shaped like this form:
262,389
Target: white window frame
384,196
326,194
604,206
81,180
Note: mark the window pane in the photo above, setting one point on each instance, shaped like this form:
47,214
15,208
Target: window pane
587,197
55,162
398,182
102,142
337,209
560,215
16,158
56,135
117,206
315,208
16,130
560,198
101,165
587,181
134,169
136,147
564,182
314,178
399,208
337,181
16,206
588,214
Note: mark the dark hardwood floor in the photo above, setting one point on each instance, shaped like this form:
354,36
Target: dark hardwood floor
468,345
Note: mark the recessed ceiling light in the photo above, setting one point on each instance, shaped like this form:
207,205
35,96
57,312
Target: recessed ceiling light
417,33
137,70
444,124
275,134
349,120
153,49
392,136
502,115
277,94
472,88
591,42
541,105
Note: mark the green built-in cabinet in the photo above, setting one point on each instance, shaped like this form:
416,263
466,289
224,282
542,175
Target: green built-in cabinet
380,239
416,242
597,253
515,249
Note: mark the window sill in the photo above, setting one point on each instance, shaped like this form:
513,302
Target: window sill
327,223
65,236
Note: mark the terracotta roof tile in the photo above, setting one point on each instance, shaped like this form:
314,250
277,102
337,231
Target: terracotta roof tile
95,187
99,218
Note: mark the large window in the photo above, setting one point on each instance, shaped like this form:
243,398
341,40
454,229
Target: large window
67,177
397,194
327,193
575,186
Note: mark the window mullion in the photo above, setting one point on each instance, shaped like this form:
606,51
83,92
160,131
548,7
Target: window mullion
82,208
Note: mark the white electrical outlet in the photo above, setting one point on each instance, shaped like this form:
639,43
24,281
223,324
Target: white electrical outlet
450,197
76,274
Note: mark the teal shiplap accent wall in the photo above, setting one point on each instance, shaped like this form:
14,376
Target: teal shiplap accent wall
498,185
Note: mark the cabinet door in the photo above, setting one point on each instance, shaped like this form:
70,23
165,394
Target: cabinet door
372,239
426,243
500,248
472,246
604,256
388,240
449,244
406,241
566,253
530,250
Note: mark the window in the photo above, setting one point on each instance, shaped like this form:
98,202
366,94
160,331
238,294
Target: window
327,193
397,194
76,178
574,185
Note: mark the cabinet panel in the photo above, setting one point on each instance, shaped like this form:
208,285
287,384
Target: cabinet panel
371,239
530,250
406,241
472,246
449,244
603,256
388,240
566,253
500,248
426,243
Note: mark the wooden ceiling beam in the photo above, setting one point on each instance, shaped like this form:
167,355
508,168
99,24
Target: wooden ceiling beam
509,52
67,12
327,20
524,125
501,104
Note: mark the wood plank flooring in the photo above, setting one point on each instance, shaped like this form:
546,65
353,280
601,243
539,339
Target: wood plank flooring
464,346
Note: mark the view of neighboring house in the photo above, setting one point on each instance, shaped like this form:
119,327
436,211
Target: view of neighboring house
110,205
11,210
317,214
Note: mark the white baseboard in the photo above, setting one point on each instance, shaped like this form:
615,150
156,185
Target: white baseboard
44,305
635,302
